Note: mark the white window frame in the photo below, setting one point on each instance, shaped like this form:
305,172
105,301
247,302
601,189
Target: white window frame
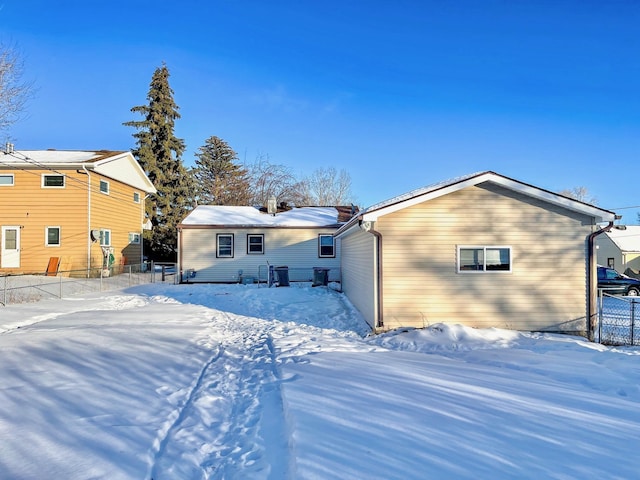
7,175
105,233
249,244
106,184
218,237
484,249
134,238
333,240
46,175
136,197
46,236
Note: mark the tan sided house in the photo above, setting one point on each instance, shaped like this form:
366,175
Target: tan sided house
236,243
619,248
59,208
483,250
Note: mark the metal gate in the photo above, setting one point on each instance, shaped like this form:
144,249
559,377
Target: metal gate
618,320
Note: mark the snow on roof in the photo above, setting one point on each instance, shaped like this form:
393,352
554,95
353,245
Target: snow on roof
627,239
251,216
56,156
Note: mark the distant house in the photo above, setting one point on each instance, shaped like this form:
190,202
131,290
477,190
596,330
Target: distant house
62,207
235,243
483,250
619,248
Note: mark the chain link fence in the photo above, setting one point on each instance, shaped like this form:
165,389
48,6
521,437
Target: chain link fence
618,320
16,289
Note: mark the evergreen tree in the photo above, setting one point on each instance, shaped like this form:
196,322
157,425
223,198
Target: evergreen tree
220,180
159,153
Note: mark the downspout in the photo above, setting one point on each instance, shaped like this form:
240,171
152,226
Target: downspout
179,259
378,235
368,227
88,218
592,276
143,210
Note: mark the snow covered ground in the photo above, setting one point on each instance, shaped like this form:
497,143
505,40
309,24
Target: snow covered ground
240,382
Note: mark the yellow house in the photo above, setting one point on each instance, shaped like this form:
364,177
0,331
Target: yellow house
71,208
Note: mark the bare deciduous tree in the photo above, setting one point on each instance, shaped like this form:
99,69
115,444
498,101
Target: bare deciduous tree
13,91
327,187
272,180
581,194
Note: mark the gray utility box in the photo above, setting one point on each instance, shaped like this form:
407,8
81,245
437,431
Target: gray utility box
320,277
283,276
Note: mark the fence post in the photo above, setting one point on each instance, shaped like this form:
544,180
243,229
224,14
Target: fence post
599,319
633,315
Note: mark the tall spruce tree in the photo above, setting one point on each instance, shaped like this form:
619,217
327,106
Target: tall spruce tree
220,180
159,153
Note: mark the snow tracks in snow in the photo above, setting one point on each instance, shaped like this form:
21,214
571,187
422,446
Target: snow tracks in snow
230,422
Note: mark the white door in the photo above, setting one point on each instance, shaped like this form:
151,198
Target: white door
10,253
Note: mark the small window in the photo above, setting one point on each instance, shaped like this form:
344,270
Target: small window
53,181
105,238
134,238
136,197
104,187
255,244
6,180
484,259
52,237
326,246
224,245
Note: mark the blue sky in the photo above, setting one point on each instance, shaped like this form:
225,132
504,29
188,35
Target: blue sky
400,94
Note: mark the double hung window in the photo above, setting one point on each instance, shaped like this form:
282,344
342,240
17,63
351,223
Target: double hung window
255,244
326,246
224,245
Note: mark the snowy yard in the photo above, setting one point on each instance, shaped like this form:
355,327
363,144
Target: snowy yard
240,382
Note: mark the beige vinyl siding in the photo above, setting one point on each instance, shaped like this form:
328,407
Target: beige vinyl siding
545,290
358,262
296,248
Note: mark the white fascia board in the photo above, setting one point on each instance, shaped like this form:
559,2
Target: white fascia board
142,182
598,214
347,229
438,192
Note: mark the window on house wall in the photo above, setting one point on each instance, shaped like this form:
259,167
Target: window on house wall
255,244
6,180
134,238
326,246
136,197
611,263
484,259
104,187
224,245
105,238
52,236
52,181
